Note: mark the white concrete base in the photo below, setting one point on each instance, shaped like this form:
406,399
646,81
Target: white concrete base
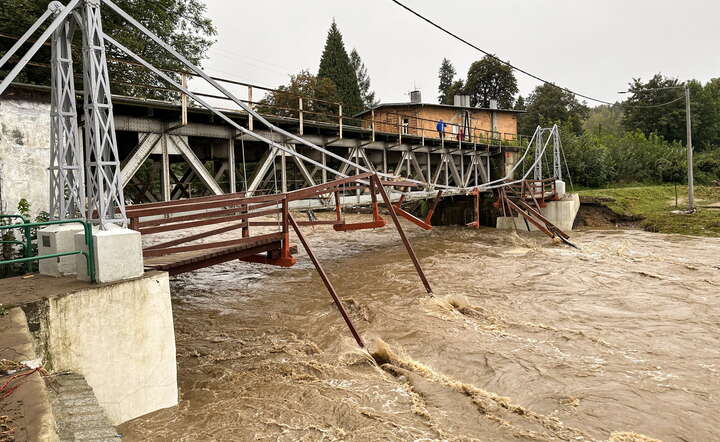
562,213
58,239
560,188
120,337
118,255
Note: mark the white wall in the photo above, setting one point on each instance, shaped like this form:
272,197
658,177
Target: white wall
24,151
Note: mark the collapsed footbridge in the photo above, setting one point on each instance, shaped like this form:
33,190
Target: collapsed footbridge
227,168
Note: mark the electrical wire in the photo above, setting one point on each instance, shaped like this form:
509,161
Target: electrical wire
529,74
494,57
650,106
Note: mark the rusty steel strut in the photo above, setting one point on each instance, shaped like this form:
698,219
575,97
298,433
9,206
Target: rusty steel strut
326,281
399,228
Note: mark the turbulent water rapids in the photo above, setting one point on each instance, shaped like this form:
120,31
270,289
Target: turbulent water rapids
526,339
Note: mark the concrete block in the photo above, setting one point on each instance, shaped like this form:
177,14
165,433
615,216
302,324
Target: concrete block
118,255
560,188
119,337
58,239
562,213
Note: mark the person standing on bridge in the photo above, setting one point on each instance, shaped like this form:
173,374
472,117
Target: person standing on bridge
441,128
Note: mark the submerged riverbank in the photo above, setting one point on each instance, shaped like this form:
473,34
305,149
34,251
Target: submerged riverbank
527,339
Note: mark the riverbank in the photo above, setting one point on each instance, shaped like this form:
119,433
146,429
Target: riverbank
652,207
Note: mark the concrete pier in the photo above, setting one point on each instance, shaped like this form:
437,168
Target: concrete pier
562,213
118,336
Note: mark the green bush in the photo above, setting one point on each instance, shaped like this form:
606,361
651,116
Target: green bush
599,160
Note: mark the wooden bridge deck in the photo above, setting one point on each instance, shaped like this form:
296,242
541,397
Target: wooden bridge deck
182,262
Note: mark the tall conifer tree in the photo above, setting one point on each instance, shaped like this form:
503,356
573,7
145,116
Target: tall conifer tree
446,76
335,65
363,80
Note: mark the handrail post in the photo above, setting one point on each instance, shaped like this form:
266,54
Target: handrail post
184,100
250,103
90,256
300,115
340,113
372,123
27,252
285,229
399,125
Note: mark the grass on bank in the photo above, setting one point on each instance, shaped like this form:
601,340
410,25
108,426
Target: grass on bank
653,205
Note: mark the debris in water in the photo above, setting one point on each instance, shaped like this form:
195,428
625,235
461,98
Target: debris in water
623,436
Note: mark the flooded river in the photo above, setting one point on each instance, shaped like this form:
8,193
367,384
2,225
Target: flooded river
526,339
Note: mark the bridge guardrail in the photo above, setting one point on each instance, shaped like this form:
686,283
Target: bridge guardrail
26,244
26,226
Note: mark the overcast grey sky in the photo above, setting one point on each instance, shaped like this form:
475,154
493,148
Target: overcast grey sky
593,47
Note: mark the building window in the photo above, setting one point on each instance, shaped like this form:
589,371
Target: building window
405,126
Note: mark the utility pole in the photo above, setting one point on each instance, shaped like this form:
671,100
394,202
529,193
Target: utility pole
688,128
688,124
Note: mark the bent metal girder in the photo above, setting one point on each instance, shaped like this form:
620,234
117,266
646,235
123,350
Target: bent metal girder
97,179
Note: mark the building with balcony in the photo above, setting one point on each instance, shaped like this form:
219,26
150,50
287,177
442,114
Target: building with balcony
463,122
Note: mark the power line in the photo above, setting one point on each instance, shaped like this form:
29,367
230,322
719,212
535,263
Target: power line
650,106
457,37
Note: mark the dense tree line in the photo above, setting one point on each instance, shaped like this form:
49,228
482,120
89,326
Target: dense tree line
641,139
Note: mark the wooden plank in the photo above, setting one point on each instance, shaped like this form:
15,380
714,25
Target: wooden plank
201,261
206,222
192,205
181,202
234,243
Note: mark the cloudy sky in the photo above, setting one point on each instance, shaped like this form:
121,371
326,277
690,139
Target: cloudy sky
593,47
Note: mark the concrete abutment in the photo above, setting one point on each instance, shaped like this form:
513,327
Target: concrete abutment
118,336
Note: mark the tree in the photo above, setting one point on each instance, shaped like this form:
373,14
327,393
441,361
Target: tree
604,119
335,65
446,76
549,104
363,80
457,88
519,103
180,23
285,100
706,113
652,110
490,79
667,121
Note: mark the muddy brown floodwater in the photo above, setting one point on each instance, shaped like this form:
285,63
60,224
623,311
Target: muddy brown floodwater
526,340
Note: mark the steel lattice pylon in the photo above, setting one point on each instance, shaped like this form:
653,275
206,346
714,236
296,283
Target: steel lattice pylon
106,203
67,187
539,151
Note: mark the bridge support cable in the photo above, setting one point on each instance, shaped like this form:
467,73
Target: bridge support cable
31,30
223,90
243,105
61,13
507,181
221,115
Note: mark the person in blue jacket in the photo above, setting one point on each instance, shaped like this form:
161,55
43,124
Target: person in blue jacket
441,128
